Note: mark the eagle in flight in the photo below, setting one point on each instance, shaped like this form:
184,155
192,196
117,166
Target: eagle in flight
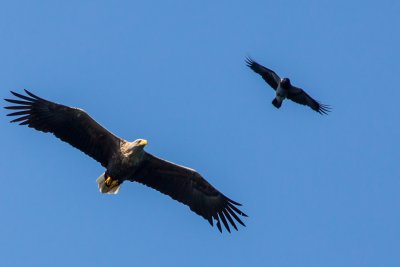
125,160
284,89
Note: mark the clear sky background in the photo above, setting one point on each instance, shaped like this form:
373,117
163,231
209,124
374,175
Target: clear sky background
319,190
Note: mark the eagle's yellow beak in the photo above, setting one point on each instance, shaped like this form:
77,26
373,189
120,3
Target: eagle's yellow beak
142,142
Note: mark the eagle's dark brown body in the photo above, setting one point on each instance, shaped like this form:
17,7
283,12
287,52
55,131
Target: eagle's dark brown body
125,160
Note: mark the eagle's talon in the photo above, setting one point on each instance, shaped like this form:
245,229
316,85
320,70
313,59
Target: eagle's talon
108,181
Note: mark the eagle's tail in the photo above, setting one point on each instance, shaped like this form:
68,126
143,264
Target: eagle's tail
107,185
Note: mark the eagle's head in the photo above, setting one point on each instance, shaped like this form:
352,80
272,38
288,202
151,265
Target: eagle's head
140,142
135,146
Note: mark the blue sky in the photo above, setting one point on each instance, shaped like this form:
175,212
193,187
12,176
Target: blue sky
319,190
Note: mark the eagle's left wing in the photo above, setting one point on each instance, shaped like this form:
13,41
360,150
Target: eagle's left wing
190,188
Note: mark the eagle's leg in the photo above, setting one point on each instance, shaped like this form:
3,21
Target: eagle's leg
110,182
107,184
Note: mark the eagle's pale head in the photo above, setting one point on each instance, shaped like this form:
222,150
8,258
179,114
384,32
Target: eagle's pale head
140,142
130,148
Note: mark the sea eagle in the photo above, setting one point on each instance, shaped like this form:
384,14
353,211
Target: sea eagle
125,160
284,89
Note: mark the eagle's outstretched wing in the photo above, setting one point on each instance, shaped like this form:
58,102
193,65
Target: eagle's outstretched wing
190,188
71,125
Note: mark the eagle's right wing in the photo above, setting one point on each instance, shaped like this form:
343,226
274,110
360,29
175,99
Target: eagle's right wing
71,125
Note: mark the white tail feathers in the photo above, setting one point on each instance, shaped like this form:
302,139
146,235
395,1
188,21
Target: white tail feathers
113,188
